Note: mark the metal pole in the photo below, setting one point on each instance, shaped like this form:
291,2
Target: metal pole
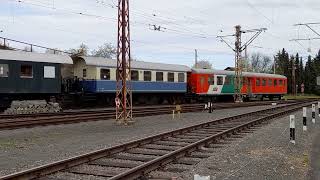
196,58
238,68
124,94
293,83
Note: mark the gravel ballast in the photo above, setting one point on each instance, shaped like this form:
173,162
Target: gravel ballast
264,154
26,148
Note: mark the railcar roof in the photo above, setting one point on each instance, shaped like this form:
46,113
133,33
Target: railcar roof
104,62
247,74
34,57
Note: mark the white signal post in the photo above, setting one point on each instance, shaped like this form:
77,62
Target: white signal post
319,108
292,129
313,113
304,119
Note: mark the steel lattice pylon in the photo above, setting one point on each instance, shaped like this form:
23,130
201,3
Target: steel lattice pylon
238,58
238,66
124,93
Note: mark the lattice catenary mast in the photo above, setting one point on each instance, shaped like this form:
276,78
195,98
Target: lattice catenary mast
124,93
239,48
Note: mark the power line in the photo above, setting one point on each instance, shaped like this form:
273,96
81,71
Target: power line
166,22
257,10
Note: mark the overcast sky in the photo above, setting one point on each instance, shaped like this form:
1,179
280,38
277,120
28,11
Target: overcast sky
191,24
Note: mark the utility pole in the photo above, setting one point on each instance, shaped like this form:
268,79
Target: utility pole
196,58
123,93
238,58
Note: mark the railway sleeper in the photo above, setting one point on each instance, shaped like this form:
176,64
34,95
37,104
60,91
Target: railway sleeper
115,163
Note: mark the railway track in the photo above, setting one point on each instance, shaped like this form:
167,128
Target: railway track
44,119
137,159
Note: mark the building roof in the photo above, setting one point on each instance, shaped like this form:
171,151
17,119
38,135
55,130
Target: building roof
247,74
34,57
103,62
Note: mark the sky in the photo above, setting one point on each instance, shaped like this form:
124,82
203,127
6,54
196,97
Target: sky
185,26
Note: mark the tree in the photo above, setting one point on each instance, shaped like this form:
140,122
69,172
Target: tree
260,63
82,50
301,77
105,51
203,64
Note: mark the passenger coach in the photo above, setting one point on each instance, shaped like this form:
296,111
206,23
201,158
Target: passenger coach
25,75
150,82
204,82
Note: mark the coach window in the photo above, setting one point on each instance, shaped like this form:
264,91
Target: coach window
219,80
275,82
159,76
105,74
257,82
135,75
264,82
181,77
84,73
170,77
211,80
270,82
26,71
49,72
4,70
281,82
147,75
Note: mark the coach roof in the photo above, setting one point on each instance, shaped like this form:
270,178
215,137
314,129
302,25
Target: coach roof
103,62
247,74
34,57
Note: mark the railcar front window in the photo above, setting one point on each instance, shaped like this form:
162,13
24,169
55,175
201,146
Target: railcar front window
220,80
181,77
135,75
4,70
105,74
26,71
227,80
170,77
159,76
147,75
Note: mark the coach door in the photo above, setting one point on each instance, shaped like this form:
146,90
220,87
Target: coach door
249,89
202,84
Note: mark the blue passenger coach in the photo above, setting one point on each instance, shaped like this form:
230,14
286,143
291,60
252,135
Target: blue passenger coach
98,75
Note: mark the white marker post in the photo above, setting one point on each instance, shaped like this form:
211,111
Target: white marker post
313,113
319,108
304,119
292,129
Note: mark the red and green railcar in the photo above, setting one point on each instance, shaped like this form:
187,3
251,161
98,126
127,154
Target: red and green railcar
205,82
